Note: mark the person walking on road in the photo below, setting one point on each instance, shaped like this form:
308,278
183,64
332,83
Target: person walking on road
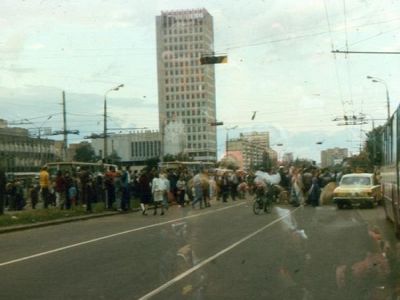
225,187
296,194
314,192
198,190
158,190
181,190
144,190
167,189
234,182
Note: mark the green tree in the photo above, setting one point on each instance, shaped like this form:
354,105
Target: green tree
302,163
229,162
152,163
85,153
179,157
114,157
360,162
374,146
169,157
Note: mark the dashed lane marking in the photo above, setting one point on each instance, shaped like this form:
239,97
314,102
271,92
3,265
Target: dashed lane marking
211,258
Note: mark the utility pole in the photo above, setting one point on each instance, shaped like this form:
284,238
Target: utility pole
65,145
65,131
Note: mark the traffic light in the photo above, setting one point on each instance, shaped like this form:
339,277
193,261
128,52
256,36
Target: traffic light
211,60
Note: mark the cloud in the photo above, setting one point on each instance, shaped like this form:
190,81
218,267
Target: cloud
18,70
14,44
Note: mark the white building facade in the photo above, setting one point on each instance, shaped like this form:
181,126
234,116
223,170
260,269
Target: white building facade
132,147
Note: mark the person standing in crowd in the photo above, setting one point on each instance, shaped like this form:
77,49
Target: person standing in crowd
44,181
144,189
296,193
68,183
19,195
212,185
109,182
234,182
198,190
34,194
125,194
167,190
158,191
72,194
60,190
173,179
84,178
134,189
225,187
314,192
99,188
181,190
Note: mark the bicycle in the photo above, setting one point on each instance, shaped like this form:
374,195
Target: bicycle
263,200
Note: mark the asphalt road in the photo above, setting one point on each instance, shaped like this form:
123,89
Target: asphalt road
222,252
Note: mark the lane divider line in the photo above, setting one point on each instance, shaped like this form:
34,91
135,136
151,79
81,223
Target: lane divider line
208,260
114,235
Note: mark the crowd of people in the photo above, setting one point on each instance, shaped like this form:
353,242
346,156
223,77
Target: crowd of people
158,188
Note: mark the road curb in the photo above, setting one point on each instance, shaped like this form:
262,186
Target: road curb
60,221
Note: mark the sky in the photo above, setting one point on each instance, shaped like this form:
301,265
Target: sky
280,64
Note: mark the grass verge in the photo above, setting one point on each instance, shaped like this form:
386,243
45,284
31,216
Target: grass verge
32,216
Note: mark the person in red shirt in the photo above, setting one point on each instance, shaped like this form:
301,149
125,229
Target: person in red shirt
109,182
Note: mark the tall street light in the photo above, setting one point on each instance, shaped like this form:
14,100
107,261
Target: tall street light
40,141
376,79
105,152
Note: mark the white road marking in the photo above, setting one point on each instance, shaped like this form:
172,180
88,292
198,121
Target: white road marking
114,235
211,258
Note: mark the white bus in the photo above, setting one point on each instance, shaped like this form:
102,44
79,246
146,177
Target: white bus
74,166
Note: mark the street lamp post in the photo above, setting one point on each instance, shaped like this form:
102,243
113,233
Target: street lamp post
376,79
105,150
40,140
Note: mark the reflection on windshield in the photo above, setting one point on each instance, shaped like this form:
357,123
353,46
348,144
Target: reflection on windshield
356,181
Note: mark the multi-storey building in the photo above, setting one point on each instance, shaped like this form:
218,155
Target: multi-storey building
334,156
186,89
252,147
21,152
287,157
257,138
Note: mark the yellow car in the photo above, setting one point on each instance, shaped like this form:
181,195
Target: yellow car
357,189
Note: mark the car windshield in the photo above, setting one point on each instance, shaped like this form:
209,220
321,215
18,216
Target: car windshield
356,180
